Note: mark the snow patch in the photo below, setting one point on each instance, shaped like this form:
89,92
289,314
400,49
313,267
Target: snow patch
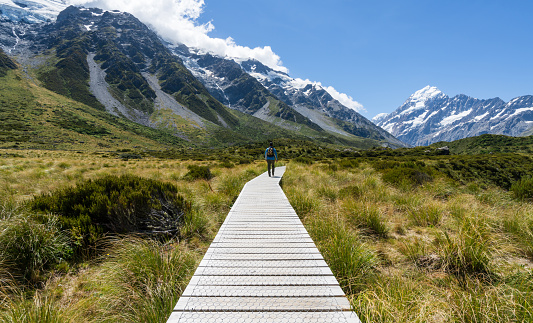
35,11
379,117
454,117
425,94
522,110
480,117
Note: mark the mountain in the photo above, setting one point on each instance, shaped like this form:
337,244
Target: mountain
34,117
430,116
112,62
251,87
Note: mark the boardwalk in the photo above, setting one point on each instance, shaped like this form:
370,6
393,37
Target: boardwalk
263,267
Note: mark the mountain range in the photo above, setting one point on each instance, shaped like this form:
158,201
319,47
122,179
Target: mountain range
430,116
114,64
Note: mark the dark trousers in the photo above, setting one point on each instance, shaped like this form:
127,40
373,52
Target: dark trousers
270,164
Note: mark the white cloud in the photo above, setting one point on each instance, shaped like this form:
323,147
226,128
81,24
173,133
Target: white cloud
345,99
177,21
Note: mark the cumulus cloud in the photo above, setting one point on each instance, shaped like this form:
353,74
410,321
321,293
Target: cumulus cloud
177,21
345,99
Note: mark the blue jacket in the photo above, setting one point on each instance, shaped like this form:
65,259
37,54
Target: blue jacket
275,157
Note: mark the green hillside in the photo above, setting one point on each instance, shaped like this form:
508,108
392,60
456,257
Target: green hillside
6,63
33,117
489,144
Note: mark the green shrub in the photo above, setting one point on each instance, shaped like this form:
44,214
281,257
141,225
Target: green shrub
198,172
128,156
523,189
112,204
348,163
226,164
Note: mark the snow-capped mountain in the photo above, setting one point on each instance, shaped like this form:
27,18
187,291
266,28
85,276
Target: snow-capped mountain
429,116
35,11
251,87
111,61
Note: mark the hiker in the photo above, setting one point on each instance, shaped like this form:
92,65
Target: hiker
271,156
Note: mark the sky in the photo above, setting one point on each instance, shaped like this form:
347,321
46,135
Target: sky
375,52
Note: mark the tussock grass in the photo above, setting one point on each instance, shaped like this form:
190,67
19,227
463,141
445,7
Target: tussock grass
523,189
29,247
38,309
425,215
143,280
135,279
367,217
457,251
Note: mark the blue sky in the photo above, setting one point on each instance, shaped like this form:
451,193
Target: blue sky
380,52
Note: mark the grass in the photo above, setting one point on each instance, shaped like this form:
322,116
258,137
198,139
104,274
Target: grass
432,251
133,278
418,250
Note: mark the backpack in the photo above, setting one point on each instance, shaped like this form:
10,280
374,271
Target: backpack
270,152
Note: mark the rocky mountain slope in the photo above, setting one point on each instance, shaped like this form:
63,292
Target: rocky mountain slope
111,61
429,116
251,87
34,117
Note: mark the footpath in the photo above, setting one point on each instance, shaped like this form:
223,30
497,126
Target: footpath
263,267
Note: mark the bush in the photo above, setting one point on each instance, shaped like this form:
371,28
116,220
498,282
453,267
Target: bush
348,163
198,172
523,189
126,204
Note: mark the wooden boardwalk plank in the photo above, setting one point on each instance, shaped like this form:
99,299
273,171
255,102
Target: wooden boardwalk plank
263,267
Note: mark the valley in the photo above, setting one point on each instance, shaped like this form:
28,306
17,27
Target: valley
121,153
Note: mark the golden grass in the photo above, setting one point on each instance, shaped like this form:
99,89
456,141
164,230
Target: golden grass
134,280
450,253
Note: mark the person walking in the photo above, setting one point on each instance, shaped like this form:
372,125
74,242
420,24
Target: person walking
271,157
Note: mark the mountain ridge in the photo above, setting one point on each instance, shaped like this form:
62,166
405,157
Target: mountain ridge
430,116
111,61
